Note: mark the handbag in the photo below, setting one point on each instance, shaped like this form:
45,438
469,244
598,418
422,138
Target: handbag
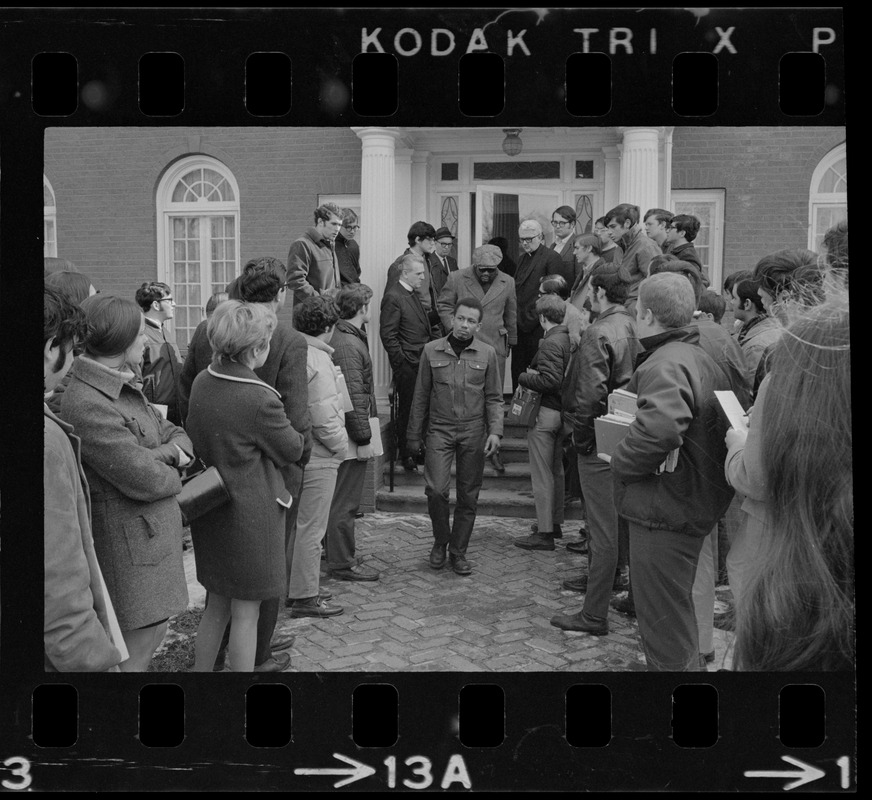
201,493
524,408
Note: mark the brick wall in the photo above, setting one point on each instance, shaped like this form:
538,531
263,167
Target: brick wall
766,172
105,181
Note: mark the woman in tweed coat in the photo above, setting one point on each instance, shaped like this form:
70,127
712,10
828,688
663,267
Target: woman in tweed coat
239,426
131,457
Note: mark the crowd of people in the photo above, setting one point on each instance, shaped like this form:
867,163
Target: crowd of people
276,392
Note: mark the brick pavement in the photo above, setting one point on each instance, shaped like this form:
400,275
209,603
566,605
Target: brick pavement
418,619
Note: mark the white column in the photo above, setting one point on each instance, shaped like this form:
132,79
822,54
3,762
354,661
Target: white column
403,217
378,244
640,167
666,172
612,180
421,190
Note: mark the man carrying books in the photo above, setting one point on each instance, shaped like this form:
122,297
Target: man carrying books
603,363
670,513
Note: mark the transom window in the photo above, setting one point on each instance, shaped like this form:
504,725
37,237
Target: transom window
49,220
828,196
198,229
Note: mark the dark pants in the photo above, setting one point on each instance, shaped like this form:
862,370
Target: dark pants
523,352
339,539
404,380
445,442
602,534
269,609
624,546
663,564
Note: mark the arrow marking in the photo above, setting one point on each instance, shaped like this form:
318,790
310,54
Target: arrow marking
807,773
356,772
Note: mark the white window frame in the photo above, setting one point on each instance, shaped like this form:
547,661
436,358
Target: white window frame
50,214
166,209
817,199
717,197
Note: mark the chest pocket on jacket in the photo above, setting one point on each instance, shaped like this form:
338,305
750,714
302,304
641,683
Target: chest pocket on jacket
476,371
135,427
441,371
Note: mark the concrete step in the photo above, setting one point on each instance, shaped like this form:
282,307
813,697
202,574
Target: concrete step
516,477
410,499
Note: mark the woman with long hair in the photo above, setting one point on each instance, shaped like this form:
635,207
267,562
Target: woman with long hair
74,285
132,457
794,603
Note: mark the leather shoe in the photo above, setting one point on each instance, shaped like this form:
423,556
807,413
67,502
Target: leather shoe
536,541
437,556
460,565
323,594
624,605
282,643
577,547
557,534
579,622
314,607
409,464
275,663
355,573
497,462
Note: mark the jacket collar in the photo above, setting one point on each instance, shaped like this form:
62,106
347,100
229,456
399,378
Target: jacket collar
442,344
629,237
316,237
233,371
689,334
318,344
555,329
615,310
153,323
346,327
103,379
748,326
64,426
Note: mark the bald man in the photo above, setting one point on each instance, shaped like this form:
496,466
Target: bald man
535,262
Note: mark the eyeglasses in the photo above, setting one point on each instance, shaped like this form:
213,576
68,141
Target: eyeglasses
559,223
167,300
485,269
352,227
445,244
528,239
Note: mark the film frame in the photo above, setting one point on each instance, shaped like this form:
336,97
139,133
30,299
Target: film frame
642,753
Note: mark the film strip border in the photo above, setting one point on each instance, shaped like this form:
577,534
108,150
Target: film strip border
549,731
429,67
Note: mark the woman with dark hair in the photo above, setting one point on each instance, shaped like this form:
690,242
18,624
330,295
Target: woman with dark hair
74,285
792,570
240,546
132,457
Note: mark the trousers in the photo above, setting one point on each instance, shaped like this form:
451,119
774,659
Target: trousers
663,565
304,547
339,540
404,381
704,591
545,444
523,352
445,443
602,530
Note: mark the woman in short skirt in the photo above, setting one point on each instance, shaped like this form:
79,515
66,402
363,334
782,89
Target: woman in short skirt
238,425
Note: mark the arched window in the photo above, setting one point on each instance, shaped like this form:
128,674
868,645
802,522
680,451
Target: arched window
198,236
49,220
828,196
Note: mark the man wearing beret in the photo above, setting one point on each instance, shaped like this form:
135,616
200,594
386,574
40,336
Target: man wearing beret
496,292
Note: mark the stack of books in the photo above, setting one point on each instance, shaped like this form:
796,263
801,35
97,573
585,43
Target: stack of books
613,426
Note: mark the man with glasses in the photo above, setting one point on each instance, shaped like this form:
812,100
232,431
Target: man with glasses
535,261
161,361
609,251
563,225
347,248
496,292
312,265
442,263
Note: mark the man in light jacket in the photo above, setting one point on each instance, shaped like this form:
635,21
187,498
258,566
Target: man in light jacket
78,612
313,268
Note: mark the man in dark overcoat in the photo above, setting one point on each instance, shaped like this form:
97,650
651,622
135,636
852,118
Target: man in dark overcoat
536,261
